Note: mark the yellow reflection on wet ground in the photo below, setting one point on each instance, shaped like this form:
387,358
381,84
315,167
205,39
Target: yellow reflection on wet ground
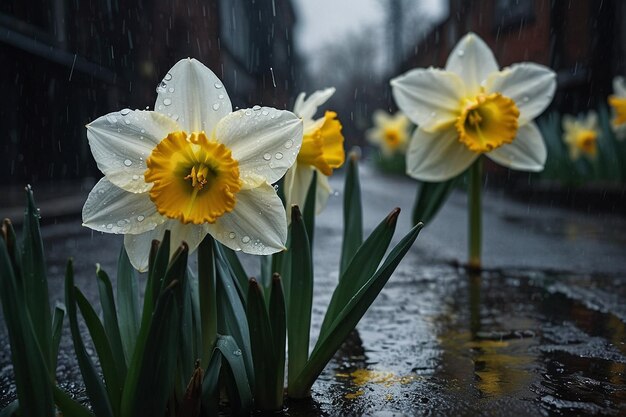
368,377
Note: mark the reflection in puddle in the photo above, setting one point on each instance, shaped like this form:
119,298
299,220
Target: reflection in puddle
367,377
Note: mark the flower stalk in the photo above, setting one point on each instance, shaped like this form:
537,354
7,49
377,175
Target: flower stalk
474,205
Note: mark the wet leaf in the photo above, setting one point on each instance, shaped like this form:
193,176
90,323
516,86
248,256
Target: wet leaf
430,198
352,214
127,304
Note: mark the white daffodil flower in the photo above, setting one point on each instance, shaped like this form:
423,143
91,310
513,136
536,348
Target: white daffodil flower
390,132
192,166
322,151
473,108
618,103
581,135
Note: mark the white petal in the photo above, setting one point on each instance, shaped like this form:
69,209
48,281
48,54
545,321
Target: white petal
257,225
619,86
431,98
111,209
264,141
530,85
122,141
473,61
193,95
296,186
438,156
322,193
307,108
138,246
527,152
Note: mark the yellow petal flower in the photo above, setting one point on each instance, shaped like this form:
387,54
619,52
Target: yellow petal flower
390,132
581,135
195,179
322,147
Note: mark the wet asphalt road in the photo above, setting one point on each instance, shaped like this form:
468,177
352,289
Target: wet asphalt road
540,332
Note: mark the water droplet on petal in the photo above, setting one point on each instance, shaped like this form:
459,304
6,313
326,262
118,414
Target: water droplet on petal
127,121
167,77
245,239
121,223
289,144
237,352
256,108
278,155
171,89
525,99
265,112
175,117
110,226
221,96
267,156
128,162
140,218
143,130
232,235
167,101
135,177
218,85
248,113
124,112
461,52
216,106
111,119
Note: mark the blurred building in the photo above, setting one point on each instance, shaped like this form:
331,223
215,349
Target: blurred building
65,62
584,41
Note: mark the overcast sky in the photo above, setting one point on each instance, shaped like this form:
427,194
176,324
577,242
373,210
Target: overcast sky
324,21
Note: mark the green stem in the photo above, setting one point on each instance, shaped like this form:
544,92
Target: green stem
208,297
475,207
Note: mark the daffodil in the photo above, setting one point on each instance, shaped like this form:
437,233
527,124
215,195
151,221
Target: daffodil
618,103
192,166
581,135
472,108
322,151
390,132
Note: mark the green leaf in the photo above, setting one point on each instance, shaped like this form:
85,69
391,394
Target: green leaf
210,384
10,410
235,266
207,295
231,313
263,350
13,250
278,322
68,406
159,260
127,304
111,368
32,378
361,268
57,329
236,369
348,318
152,373
267,269
301,297
308,213
352,213
111,325
34,281
430,198
95,388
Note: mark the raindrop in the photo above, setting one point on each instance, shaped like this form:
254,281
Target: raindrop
127,121
171,89
124,112
216,106
143,130
232,235
237,352
167,77
245,239
140,218
128,162
256,108
461,52
278,155
175,117
135,177
110,226
121,223
267,156
167,101
221,96
111,119
218,85
248,113
525,99
289,144
265,112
